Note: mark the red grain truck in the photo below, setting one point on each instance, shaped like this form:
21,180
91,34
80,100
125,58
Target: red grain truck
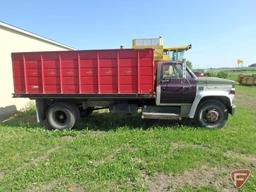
70,84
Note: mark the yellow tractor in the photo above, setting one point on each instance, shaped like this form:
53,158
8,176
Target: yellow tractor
161,53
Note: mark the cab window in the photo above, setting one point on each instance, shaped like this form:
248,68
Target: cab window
170,71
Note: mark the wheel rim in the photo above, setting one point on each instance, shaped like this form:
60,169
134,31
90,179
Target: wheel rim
60,117
211,115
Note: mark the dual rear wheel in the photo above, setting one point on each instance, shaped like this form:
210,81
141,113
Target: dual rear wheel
64,115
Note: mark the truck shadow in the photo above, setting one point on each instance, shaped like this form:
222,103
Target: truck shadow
108,121
99,121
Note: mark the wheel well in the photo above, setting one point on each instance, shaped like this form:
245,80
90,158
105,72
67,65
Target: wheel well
222,99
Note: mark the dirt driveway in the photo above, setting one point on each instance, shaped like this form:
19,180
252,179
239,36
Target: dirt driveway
245,100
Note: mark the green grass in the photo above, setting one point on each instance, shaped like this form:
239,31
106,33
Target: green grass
112,153
247,90
233,73
198,189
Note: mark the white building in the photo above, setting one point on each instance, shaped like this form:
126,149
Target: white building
13,39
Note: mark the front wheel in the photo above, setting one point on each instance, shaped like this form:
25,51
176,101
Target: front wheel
212,114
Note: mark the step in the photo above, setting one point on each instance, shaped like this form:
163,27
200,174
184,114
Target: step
161,109
154,115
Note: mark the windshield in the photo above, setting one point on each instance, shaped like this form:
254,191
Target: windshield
177,55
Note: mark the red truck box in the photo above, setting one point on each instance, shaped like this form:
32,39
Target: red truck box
113,71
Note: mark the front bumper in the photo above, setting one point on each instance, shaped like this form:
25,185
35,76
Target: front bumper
233,109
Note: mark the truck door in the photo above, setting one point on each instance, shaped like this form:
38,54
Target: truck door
189,88
171,84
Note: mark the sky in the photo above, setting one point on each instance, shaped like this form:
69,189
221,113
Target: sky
220,31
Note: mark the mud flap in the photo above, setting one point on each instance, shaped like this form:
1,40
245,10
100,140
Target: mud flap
40,110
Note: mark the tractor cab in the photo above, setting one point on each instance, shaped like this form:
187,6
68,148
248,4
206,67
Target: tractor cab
161,52
175,53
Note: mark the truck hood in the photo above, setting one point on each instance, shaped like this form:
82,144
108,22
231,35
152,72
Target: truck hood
214,80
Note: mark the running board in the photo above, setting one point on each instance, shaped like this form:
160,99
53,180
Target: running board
172,116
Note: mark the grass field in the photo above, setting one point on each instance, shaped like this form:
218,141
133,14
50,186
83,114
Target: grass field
112,153
233,73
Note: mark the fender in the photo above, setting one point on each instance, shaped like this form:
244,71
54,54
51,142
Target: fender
208,93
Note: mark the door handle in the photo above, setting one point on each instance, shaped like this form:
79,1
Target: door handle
164,80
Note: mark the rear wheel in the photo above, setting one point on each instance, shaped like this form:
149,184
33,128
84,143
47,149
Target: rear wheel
61,116
212,114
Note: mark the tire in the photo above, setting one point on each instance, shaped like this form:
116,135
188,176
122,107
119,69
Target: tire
77,111
61,116
212,114
86,112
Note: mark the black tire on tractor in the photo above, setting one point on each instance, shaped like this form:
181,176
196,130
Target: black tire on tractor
212,114
61,116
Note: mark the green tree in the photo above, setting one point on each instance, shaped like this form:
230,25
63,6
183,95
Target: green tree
222,74
189,64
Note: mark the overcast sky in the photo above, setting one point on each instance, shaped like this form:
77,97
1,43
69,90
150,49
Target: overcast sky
220,31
